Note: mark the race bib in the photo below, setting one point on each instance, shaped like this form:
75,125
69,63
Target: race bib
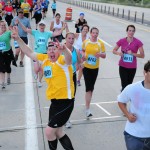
9,13
48,72
128,58
16,44
2,45
26,8
91,60
38,11
41,41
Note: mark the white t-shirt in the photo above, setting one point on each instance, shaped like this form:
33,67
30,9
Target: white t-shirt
139,98
79,42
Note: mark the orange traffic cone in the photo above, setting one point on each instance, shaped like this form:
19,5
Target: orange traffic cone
68,14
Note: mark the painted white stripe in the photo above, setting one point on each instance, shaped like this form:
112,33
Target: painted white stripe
31,140
103,109
100,118
45,124
107,43
110,102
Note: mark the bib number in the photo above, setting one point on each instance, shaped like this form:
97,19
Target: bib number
41,41
48,72
9,13
2,45
26,8
128,58
16,44
91,60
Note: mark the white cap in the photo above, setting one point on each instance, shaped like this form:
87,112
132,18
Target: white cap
42,22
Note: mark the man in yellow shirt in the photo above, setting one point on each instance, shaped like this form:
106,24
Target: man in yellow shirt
26,7
58,74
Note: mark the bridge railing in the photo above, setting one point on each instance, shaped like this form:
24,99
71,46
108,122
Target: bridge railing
134,16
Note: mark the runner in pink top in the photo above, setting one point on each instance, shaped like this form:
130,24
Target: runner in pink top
131,48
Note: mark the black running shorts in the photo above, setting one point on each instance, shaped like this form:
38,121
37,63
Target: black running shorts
59,112
90,76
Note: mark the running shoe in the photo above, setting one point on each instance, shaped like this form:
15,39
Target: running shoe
3,86
21,64
39,84
88,113
8,81
78,83
68,124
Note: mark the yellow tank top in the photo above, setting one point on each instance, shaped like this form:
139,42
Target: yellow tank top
25,7
91,48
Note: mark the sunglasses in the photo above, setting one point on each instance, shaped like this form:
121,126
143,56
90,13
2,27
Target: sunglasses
51,44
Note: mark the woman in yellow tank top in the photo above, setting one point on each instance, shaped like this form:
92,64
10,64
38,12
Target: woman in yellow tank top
93,48
58,74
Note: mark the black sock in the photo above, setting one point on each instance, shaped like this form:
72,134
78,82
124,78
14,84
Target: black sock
53,144
66,143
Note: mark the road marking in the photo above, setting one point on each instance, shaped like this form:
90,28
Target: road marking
102,103
31,140
103,109
100,118
107,43
101,39
110,102
45,124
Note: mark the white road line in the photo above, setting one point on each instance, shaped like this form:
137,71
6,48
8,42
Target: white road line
31,140
110,102
100,118
45,124
103,109
107,43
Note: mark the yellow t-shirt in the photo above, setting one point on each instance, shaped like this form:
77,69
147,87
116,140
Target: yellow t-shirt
91,48
59,78
25,7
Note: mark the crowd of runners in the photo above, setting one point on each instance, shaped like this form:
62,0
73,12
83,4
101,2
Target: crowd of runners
63,60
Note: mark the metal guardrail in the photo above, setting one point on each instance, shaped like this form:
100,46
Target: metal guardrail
112,11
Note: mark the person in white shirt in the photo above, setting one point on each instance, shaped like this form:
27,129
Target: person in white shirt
137,129
80,38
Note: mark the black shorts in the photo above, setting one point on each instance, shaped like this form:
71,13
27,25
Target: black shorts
54,10
25,39
37,17
90,76
44,10
26,15
8,19
59,112
59,38
5,61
